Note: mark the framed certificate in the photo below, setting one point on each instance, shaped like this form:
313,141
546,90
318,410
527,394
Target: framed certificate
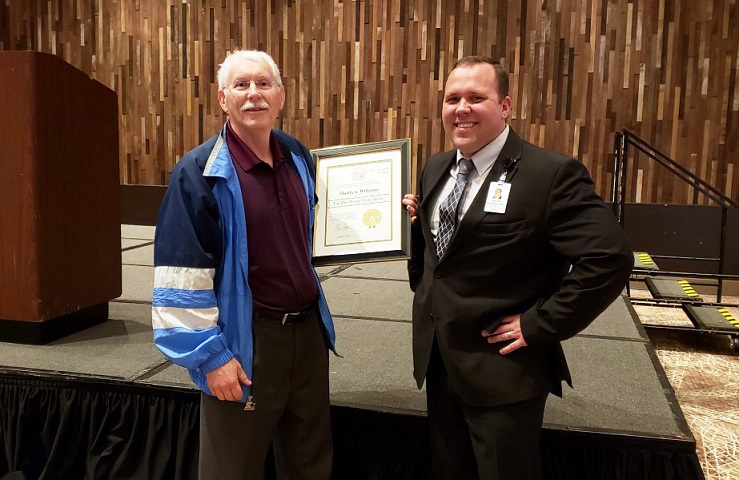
360,215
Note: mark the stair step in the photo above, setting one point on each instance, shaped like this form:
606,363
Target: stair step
644,261
712,318
672,289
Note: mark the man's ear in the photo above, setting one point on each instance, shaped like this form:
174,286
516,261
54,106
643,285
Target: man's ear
506,106
222,100
282,97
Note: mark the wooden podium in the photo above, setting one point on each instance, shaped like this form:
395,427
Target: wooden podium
60,237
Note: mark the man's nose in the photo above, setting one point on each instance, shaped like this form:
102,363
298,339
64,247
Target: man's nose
252,89
463,106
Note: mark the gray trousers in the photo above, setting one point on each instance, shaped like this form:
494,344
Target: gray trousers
290,393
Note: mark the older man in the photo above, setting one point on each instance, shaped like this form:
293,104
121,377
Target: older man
236,299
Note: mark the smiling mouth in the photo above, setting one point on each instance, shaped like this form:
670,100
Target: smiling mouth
465,124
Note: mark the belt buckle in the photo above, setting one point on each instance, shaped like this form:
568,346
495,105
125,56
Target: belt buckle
287,315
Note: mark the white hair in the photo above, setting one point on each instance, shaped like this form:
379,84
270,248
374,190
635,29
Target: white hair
224,71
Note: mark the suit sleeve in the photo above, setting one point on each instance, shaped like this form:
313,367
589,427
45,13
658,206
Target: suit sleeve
418,243
418,247
581,228
187,250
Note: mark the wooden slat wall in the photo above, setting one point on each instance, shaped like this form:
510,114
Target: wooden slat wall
362,71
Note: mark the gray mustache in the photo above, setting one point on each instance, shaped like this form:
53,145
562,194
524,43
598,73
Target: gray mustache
249,105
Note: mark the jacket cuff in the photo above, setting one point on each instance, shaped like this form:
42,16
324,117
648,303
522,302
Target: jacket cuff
216,361
532,330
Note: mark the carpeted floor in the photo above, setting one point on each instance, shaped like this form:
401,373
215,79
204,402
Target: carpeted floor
704,372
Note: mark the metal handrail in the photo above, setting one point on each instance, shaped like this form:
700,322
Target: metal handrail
622,140
695,181
667,273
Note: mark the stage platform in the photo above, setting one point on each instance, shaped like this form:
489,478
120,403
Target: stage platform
620,421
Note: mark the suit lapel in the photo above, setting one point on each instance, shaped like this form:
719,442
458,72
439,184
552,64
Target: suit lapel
434,176
435,173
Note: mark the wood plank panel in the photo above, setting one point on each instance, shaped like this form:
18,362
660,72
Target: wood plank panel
359,71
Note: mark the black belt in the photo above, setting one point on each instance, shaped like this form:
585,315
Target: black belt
286,318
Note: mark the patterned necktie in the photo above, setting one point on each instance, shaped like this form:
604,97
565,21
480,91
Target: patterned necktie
450,205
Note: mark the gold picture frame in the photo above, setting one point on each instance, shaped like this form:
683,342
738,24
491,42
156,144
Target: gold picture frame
359,216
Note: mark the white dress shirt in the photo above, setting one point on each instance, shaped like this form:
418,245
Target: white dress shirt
484,160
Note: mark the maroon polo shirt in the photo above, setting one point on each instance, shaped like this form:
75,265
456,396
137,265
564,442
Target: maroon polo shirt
276,207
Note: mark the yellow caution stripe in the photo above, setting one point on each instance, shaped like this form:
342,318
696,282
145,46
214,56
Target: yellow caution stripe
687,288
728,316
645,259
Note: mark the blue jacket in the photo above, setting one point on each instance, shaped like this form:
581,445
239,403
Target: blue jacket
202,303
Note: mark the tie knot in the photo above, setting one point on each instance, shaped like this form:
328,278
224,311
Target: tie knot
465,166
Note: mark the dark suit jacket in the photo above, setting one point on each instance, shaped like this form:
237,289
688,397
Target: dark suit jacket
516,262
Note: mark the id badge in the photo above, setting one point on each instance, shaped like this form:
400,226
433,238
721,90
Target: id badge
497,198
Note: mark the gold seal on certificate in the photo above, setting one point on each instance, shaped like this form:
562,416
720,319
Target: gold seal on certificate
359,214
372,217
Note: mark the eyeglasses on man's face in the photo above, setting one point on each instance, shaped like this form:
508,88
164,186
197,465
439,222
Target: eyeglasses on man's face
262,84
